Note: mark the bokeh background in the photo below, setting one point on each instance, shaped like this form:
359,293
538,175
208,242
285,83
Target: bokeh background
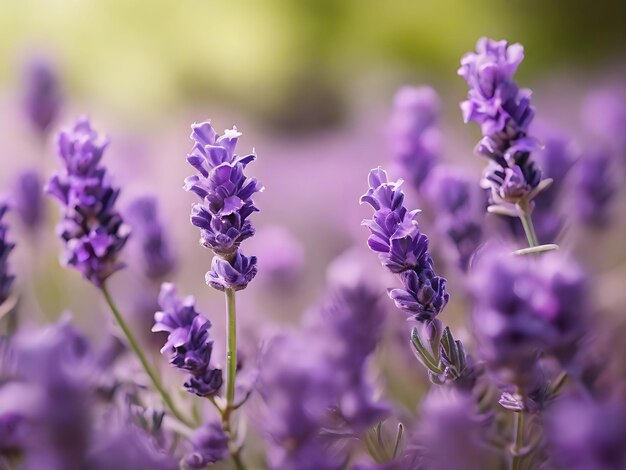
310,83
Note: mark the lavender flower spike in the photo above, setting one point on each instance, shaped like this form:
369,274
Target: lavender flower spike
92,230
6,279
28,199
188,346
225,192
403,249
42,95
504,112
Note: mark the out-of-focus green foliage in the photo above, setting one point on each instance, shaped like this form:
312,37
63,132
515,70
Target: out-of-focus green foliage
149,54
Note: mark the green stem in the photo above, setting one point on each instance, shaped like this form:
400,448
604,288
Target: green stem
527,222
231,372
516,462
134,345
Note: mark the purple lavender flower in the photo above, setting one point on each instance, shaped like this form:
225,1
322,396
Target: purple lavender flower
6,279
604,113
92,230
234,274
504,112
460,211
188,346
403,249
297,390
583,435
28,198
156,254
595,188
225,191
414,133
42,94
527,306
209,445
451,433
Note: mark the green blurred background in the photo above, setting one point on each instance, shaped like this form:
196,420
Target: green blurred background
290,64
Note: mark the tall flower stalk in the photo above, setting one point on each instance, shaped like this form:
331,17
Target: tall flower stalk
225,194
91,228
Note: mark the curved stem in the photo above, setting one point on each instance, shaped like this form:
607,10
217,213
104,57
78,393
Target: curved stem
134,345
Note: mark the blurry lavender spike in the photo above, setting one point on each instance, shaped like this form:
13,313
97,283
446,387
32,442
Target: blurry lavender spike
297,389
451,433
351,323
226,193
280,256
460,211
414,133
583,435
12,433
92,230
403,249
235,274
604,113
6,279
504,112
595,188
188,346
156,254
209,445
556,159
28,198
42,94
525,307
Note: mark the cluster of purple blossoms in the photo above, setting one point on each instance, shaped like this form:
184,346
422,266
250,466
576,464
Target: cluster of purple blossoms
585,435
226,195
91,228
460,211
157,259
6,279
42,94
527,307
49,404
414,133
403,249
504,112
595,187
209,444
188,346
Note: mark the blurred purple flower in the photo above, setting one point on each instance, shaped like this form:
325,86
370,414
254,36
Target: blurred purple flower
526,306
28,198
280,255
414,133
604,113
451,433
583,435
403,249
297,389
234,274
460,211
595,188
209,445
188,346
6,279
225,191
42,94
92,230
157,259
504,112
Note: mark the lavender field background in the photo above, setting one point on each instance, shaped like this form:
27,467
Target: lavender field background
322,92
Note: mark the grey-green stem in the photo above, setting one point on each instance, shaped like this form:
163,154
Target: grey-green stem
134,345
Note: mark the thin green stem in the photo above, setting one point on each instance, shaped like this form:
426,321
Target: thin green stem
529,229
231,372
134,345
516,462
